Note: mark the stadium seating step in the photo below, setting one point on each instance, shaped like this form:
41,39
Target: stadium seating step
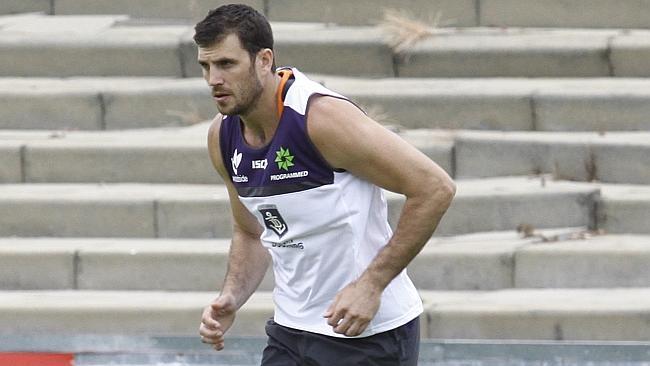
458,13
560,258
38,45
520,104
612,157
202,211
546,314
179,155
163,155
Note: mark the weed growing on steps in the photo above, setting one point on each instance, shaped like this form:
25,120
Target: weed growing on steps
188,117
528,231
402,31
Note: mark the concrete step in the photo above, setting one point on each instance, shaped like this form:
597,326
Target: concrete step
85,44
471,52
504,104
103,103
119,210
504,204
561,258
578,314
171,155
202,211
624,209
116,45
513,53
165,155
122,312
190,10
561,13
459,13
567,258
185,11
487,104
551,314
112,264
599,261
89,45
178,155
606,157
24,6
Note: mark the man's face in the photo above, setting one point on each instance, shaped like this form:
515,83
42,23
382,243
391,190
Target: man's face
231,74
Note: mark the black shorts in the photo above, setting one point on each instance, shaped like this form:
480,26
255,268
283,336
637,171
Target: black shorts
292,347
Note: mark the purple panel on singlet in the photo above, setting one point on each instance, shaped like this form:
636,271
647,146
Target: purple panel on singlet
289,163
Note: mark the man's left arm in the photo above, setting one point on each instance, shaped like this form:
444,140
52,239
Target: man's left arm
350,140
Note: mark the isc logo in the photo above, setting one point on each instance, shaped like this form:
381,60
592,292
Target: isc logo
260,164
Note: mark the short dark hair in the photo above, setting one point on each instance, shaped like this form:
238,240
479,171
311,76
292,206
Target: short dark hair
252,28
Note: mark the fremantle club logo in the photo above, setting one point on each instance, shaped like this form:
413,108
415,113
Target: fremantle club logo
273,220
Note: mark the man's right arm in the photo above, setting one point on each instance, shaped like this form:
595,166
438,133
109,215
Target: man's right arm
247,262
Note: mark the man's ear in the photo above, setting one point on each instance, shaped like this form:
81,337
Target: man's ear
265,58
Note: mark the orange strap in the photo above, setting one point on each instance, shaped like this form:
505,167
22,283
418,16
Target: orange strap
285,75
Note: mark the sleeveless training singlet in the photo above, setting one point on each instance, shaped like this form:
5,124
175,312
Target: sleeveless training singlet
322,226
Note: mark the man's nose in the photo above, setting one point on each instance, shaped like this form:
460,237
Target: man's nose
214,77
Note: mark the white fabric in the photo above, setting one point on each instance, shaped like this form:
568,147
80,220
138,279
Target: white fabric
333,232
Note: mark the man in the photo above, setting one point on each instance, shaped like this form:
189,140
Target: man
303,167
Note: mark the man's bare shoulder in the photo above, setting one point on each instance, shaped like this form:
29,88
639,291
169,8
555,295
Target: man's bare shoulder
333,118
214,147
327,106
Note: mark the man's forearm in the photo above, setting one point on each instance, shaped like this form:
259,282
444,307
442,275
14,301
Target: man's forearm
419,218
247,264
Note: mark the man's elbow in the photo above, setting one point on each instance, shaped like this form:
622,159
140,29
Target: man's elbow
443,191
431,187
447,192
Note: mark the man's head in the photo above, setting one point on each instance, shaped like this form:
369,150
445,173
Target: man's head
251,27
235,51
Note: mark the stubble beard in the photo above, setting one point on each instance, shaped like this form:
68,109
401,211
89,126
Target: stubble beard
250,96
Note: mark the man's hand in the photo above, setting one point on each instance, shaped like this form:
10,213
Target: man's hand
353,308
217,319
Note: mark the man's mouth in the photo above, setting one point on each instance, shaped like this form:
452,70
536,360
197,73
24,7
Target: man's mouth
220,96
